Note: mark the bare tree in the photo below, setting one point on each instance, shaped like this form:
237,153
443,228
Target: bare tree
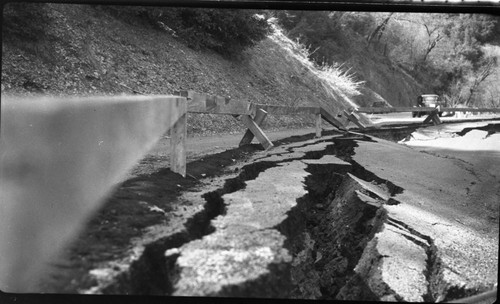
379,30
485,73
427,37
432,39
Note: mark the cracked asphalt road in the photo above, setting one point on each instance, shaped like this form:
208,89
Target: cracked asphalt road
450,196
345,216
437,240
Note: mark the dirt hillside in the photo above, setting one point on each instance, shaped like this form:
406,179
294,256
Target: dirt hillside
383,79
96,50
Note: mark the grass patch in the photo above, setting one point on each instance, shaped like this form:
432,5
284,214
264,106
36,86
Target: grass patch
335,75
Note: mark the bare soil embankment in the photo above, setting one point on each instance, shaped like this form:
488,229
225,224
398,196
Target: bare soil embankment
97,50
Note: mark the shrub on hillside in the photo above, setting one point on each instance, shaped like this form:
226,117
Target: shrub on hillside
227,31
319,30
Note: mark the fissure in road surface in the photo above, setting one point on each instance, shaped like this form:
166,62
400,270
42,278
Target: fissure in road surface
320,244
325,232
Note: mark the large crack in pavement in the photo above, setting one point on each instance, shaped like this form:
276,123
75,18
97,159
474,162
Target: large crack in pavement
302,221
245,255
490,128
289,249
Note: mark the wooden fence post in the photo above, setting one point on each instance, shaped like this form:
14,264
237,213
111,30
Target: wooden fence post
257,131
318,125
434,117
354,118
259,119
178,134
331,119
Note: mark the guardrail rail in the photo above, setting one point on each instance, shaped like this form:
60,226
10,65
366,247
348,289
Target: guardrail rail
252,115
431,112
59,159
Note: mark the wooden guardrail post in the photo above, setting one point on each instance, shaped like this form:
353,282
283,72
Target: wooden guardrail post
318,125
257,131
331,120
260,116
434,117
354,118
178,134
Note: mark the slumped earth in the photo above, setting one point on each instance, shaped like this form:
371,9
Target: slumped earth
346,216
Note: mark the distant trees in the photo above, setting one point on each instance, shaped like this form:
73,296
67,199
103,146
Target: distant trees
459,61
479,77
434,35
447,48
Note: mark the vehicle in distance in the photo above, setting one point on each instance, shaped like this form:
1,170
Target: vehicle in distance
429,101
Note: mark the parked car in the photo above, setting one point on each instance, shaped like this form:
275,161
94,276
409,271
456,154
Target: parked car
429,101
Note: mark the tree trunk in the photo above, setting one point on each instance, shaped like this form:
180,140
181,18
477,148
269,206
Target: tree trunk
488,70
430,46
379,30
